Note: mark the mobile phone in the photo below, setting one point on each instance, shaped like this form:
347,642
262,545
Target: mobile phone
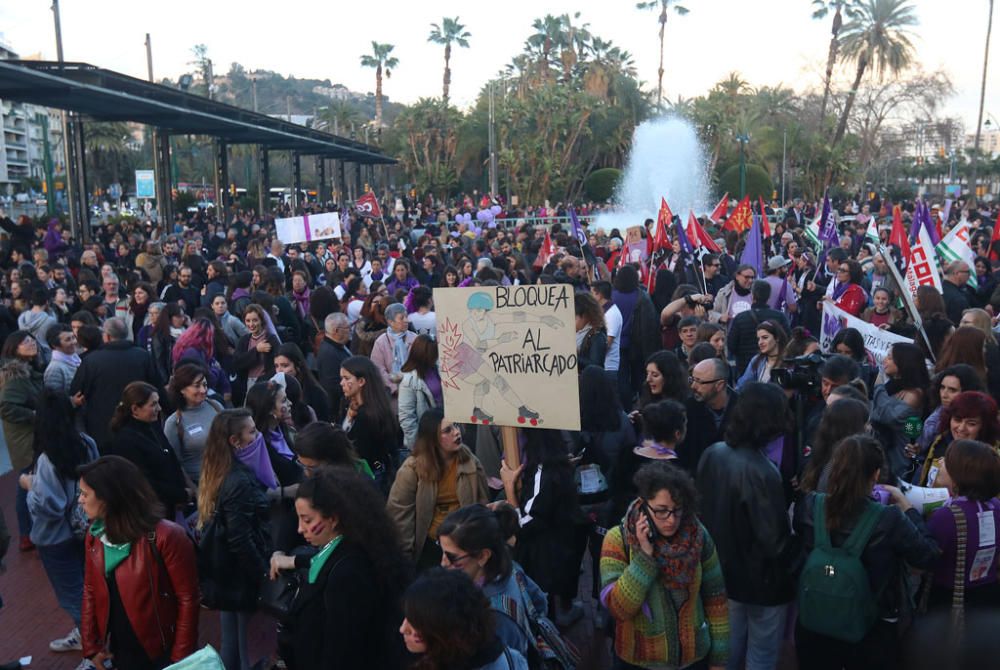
653,532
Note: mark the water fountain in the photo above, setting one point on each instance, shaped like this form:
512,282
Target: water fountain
667,161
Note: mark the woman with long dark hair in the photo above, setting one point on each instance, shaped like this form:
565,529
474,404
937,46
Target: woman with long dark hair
268,405
771,342
254,355
543,490
232,515
665,379
169,327
290,360
891,538
197,345
367,417
450,624
348,608
140,592
440,476
902,398
639,337
138,304
420,388
945,386
21,385
52,495
137,436
591,332
840,419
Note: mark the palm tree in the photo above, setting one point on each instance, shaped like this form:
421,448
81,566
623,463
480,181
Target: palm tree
449,31
877,38
663,6
982,97
337,117
821,9
380,59
547,39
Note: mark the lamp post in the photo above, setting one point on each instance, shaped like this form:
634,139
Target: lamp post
743,138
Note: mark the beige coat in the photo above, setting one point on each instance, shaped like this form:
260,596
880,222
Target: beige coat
412,500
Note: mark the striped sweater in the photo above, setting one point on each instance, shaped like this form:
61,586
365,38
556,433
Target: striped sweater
650,630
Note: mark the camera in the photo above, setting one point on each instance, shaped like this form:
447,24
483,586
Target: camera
800,374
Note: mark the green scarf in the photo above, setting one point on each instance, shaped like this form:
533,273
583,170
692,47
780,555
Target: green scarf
317,562
114,554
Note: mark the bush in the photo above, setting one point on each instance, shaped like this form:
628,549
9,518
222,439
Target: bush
600,184
758,182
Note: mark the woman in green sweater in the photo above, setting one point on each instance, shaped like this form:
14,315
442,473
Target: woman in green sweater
661,579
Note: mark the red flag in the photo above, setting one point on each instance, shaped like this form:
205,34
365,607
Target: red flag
740,219
765,225
720,209
659,239
545,252
367,205
898,235
996,236
698,236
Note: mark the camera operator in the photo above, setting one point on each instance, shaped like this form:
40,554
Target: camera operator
837,370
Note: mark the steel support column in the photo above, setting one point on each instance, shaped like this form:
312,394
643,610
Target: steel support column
164,186
341,182
222,182
323,190
296,180
79,175
358,186
263,182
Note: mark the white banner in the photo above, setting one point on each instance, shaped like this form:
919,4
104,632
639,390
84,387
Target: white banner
877,341
921,269
308,228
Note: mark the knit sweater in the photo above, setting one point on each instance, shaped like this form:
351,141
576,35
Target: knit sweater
649,630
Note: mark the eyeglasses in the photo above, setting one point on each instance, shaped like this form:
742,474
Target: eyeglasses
692,380
746,276
665,513
452,558
844,270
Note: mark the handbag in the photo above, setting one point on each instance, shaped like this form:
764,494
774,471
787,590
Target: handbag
213,555
552,649
275,597
958,587
75,516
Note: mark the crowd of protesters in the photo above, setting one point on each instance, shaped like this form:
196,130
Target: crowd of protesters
206,417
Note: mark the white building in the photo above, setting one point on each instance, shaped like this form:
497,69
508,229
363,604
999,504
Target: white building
989,140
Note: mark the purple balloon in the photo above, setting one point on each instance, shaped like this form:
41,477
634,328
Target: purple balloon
482,215
496,209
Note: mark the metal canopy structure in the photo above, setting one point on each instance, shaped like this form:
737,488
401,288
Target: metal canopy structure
103,95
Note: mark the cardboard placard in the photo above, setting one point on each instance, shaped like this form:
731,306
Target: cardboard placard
507,355
308,228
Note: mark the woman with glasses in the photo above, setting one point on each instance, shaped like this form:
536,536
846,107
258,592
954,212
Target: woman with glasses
658,556
439,477
848,294
474,541
187,428
348,608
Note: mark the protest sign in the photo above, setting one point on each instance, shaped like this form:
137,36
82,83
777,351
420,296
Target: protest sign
308,228
877,341
508,355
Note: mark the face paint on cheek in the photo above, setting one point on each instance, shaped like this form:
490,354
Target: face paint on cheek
317,528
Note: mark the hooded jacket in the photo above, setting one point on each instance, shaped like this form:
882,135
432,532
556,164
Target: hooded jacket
20,391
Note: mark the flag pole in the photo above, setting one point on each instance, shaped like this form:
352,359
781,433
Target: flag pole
907,298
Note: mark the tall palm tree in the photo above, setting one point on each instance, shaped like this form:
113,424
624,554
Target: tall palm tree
877,38
821,9
982,97
547,39
664,6
448,32
380,59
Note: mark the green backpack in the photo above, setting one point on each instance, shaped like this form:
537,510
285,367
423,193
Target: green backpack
835,597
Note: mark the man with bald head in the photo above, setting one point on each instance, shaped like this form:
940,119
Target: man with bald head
955,290
708,410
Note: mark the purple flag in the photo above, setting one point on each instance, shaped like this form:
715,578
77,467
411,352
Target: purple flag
752,252
577,228
828,236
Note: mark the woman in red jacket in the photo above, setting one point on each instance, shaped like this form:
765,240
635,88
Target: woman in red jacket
140,590
848,294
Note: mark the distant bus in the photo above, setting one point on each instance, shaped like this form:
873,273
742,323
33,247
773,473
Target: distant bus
283,195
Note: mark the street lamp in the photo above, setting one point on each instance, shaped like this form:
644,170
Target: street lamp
743,138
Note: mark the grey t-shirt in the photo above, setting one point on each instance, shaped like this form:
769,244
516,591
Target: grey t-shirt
188,439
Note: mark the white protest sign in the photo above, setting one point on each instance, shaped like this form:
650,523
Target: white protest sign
508,355
877,341
308,228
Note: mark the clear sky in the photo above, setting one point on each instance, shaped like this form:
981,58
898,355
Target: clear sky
767,41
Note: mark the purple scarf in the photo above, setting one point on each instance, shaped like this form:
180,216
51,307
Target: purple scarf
840,289
277,441
302,302
255,457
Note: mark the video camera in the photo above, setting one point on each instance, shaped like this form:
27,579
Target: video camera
801,374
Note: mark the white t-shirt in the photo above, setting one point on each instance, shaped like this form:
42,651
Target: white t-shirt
613,320
424,324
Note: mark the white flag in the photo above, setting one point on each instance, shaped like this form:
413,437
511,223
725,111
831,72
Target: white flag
955,247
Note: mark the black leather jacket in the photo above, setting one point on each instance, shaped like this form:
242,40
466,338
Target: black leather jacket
743,507
898,538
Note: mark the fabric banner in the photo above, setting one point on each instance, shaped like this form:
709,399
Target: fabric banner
508,355
308,228
921,268
877,340
955,247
